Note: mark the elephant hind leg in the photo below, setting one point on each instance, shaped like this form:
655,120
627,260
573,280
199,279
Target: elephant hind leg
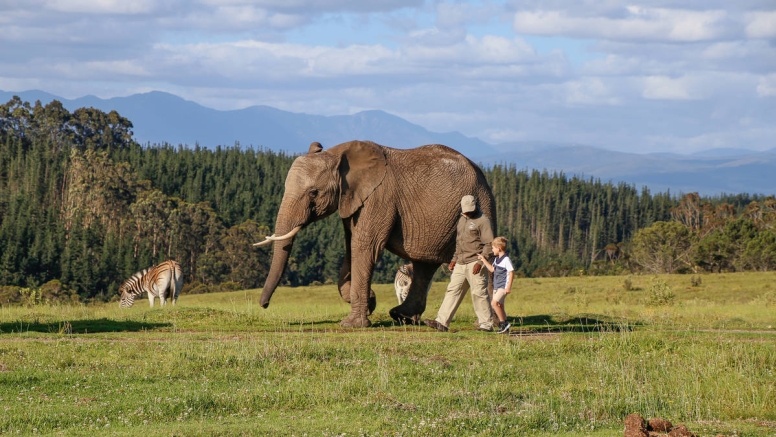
411,310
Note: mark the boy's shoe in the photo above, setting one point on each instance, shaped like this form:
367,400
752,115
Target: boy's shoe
504,327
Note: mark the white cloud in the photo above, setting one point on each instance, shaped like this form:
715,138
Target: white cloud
761,24
286,21
636,23
322,5
606,73
484,51
123,7
589,91
666,88
698,85
767,86
460,13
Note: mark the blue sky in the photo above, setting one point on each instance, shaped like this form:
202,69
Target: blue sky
637,76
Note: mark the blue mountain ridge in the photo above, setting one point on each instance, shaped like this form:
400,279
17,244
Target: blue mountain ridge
160,117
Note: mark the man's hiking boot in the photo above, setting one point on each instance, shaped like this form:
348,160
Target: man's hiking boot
436,325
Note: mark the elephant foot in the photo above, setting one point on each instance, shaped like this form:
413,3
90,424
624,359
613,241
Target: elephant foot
401,318
355,321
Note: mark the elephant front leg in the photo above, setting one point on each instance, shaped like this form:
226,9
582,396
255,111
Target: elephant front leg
362,298
411,310
344,282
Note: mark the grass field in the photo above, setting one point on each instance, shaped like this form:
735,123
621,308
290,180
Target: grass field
584,353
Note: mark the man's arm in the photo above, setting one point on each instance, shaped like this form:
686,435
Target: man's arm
486,237
457,246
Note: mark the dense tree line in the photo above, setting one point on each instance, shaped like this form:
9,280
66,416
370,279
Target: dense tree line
705,237
83,206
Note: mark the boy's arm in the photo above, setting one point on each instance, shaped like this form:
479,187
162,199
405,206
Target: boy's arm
484,260
508,287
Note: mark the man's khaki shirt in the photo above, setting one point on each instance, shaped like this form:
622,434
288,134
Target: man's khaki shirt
474,236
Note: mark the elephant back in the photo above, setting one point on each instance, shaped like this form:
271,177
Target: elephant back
439,176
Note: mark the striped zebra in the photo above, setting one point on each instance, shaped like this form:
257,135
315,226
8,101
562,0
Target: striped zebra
403,281
155,281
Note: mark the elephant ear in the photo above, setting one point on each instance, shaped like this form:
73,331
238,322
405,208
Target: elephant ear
362,168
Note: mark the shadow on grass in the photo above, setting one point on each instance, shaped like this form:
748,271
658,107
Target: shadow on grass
544,323
548,324
80,326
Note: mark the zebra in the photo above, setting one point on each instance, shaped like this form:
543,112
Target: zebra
403,281
155,281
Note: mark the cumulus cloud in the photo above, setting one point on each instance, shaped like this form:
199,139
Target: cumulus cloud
767,86
322,5
589,91
662,87
121,7
615,74
761,24
636,23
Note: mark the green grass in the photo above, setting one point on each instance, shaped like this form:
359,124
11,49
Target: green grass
585,353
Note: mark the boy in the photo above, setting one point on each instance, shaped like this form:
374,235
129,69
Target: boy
503,273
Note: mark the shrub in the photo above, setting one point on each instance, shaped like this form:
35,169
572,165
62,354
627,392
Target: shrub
10,295
660,294
55,292
195,287
230,286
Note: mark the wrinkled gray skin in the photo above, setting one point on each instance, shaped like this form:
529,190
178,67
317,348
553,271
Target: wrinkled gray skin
405,201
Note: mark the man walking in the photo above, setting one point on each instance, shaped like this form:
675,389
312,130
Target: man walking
474,237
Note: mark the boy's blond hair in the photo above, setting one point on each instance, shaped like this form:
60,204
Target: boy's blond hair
500,242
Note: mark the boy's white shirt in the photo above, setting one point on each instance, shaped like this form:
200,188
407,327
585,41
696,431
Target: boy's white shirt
506,263
509,268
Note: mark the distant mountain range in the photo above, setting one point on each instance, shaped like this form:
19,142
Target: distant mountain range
160,117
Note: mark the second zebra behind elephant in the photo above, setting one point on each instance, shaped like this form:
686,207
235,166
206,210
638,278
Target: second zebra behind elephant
403,281
163,280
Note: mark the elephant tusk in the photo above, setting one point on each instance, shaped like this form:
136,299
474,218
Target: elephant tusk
285,237
280,238
263,243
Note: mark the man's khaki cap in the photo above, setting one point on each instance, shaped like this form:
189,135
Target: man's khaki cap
468,204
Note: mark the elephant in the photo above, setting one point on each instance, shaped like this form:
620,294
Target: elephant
404,200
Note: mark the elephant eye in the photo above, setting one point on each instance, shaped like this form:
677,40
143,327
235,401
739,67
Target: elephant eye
313,193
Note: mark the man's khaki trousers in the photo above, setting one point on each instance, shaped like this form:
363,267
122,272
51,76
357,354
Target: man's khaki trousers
463,279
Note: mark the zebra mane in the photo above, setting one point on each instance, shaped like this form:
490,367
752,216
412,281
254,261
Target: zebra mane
126,286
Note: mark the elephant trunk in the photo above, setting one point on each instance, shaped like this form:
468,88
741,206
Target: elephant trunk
282,249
